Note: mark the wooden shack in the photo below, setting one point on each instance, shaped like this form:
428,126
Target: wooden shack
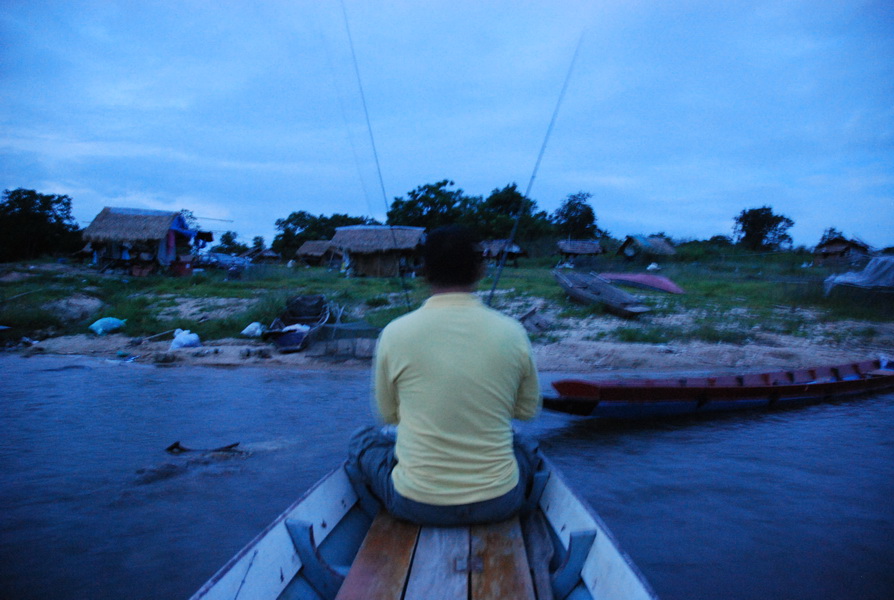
379,250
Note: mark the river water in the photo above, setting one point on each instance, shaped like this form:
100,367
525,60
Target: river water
793,504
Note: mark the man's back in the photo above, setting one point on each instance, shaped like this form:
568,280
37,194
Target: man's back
455,373
452,376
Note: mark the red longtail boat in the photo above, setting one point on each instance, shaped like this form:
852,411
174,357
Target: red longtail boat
660,397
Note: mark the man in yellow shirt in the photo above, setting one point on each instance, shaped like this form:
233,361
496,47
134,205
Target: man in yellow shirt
451,376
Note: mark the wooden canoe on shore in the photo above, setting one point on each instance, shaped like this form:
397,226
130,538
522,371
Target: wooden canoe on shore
333,544
593,289
660,397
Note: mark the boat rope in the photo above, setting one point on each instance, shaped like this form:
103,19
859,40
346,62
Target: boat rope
340,98
375,152
549,131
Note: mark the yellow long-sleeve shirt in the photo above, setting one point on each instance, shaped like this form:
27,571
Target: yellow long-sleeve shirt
452,375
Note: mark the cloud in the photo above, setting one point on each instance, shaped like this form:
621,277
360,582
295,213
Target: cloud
677,115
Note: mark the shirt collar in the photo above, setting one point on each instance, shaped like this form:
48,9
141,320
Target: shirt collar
452,299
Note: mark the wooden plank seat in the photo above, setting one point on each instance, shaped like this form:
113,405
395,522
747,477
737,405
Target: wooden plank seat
403,561
398,560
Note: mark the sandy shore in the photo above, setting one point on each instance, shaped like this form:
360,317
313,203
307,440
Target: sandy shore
561,344
570,352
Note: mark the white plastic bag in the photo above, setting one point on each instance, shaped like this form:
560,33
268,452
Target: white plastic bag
184,339
253,330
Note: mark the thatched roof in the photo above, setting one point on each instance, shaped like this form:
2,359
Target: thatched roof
579,247
840,244
490,248
262,254
370,239
314,248
133,225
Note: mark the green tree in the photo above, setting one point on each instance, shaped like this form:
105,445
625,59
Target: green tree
257,243
575,218
496,215
33,224
229,245
433,205
760,229
191,220
830,234
301,226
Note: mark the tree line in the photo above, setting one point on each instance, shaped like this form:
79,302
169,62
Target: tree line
435,204
34,224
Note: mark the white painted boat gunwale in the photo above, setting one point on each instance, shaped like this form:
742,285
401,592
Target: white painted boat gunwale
608,572
274,540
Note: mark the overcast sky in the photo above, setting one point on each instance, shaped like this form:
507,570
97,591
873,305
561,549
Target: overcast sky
678,115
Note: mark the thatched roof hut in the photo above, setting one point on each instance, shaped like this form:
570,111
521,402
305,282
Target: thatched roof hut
313,248
317,252
264,255
126,233
379,250
494,248
640,245
371,239
132,225
840,251
569,248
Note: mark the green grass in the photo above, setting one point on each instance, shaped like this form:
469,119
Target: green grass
657,334
545,338
573,310
29,318
378,301
735,296
643,335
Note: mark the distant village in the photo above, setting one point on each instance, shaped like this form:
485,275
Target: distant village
142,241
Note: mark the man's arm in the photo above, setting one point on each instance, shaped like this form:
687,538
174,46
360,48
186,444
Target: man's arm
384,392
528,399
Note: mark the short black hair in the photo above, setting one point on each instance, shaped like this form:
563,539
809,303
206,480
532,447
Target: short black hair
452,256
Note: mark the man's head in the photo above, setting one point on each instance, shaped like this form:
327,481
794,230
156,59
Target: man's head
452,257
